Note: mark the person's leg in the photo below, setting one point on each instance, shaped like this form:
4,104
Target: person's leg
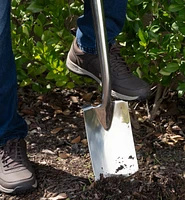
82,57
15,172
115,13
11,124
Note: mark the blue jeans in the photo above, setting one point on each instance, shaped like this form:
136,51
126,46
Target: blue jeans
115,12
12,124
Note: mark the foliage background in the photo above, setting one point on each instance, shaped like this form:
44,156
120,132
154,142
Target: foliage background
152,43
41,39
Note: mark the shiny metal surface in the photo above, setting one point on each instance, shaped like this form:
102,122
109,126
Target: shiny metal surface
105,108
112,152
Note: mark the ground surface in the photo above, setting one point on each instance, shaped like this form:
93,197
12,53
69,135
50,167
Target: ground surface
57,147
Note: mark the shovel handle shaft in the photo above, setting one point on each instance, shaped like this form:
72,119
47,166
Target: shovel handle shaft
101,41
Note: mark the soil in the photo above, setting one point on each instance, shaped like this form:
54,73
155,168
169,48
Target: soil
58,150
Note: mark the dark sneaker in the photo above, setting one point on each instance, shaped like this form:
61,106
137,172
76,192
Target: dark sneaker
124,84
16,173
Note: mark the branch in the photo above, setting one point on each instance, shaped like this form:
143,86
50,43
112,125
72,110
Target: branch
159,97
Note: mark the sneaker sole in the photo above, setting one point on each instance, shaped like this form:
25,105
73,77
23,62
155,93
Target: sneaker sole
18,189
78,70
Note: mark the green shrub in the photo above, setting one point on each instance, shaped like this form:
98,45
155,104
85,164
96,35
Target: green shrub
41,39
154,41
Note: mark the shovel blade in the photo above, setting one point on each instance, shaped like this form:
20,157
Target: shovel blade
112,152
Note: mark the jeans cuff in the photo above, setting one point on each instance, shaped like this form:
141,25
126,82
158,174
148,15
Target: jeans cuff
92,50
87,49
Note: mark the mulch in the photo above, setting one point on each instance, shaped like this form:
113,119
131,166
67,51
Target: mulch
58,150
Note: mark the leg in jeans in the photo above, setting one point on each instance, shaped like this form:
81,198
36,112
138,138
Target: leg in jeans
82,57
16,173
115,12
11,124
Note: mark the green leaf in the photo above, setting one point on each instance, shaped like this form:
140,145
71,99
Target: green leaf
62,80
137,2
154,28
25,30
181,15
38,28
51,75
25,82
169,68
184,51
181,86
35,8
166,80
141,35
175,7
47,35
181,2
42,18
61,83
181,89
182,29
142,43
36,87
70,85
182,67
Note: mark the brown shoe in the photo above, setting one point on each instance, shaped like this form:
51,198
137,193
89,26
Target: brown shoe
16,173
124,84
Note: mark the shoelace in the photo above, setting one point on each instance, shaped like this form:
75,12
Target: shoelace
117,63
11,155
